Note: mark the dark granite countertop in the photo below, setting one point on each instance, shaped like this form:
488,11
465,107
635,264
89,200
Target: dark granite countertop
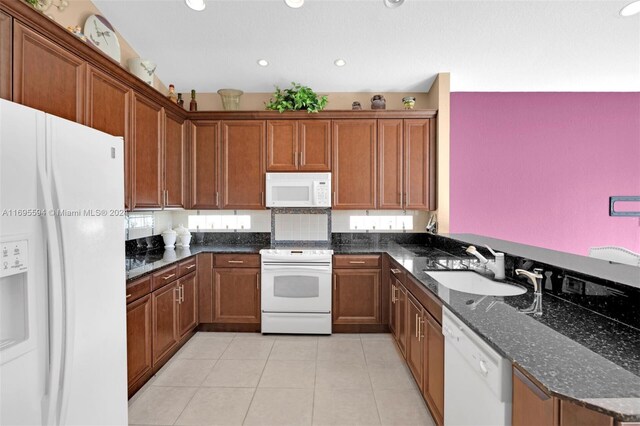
573,352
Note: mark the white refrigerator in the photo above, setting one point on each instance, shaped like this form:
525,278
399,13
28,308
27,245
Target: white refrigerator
63,357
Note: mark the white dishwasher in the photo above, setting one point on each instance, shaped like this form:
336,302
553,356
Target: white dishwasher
477,380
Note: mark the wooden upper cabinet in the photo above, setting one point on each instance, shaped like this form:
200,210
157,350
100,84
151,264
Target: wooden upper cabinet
204,170
356,296
420,160
46,76
354,164
146,158
108,110
6,65
175,157
243,164
282,145
314,145
390,164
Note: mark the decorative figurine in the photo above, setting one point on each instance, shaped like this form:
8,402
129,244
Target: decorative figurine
409,102
172,94
77,31
193,106
356,106
180,101
378,102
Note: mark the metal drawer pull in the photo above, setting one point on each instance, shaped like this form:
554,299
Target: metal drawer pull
396,271
359,262
420,331
182,293
177,289
235,261
257,282
128,296
191,266
168,276
416,325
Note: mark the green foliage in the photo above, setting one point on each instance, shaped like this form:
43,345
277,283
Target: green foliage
33,3
295,98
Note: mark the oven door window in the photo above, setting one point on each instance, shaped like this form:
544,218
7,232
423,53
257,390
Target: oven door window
292,193
296,286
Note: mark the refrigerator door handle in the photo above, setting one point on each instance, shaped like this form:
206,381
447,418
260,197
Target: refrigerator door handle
52,402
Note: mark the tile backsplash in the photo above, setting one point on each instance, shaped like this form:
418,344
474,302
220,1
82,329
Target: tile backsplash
301,227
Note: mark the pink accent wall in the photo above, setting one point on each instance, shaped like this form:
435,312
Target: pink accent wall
538,168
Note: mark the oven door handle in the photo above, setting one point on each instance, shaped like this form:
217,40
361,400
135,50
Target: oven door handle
295,268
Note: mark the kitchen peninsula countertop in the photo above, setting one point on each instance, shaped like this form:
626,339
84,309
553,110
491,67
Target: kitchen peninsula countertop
573,352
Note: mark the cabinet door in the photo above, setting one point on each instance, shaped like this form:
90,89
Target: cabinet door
165,315
419,154
188,308
205,287
108,110
146,166
205,155
531,406
46,76
414,339
6,58
314,145
243,164
354,164
236,295
575,415
282,145
390,161
175,155
356,296
401,312
433,364
393,311
139,361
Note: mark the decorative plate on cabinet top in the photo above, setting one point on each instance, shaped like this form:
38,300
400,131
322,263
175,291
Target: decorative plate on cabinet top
101,34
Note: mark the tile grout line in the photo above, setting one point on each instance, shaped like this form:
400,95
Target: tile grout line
255,389
315,382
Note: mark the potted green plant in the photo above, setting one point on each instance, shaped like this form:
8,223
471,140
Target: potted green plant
295,98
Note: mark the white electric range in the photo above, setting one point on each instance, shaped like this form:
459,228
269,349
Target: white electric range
296,291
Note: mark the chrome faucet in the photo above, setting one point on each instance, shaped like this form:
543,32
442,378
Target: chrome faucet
535,277
496,266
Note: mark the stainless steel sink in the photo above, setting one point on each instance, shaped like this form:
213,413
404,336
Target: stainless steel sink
470,282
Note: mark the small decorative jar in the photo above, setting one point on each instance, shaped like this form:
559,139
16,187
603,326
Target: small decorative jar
230,98
169,237
409,102
356,106
378,102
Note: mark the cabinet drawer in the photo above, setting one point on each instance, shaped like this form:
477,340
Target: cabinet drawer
138,288
429,300
397,271
165,276
357,261
187,266
236,260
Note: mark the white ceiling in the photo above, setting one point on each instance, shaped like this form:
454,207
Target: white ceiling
486,45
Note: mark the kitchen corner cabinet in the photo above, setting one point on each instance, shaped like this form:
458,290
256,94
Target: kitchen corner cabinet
204,164
243,164
108,107
356,289
532,406
354,171
146,159
46,76
299,145
236,289
6,57
175,158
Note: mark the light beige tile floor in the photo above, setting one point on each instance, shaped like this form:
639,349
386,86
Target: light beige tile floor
246,378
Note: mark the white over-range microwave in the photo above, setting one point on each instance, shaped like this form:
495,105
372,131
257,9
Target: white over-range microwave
298,189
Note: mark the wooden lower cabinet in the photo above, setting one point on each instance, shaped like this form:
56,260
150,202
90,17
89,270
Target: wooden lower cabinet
415,347
356,296
139,357
398,314
393,308
188,305
433,367
236,295
574,415
165,315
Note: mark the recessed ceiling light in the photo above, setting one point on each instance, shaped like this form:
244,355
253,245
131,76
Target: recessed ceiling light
263,62
294,3
631,9
393,3
198,5
340,62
